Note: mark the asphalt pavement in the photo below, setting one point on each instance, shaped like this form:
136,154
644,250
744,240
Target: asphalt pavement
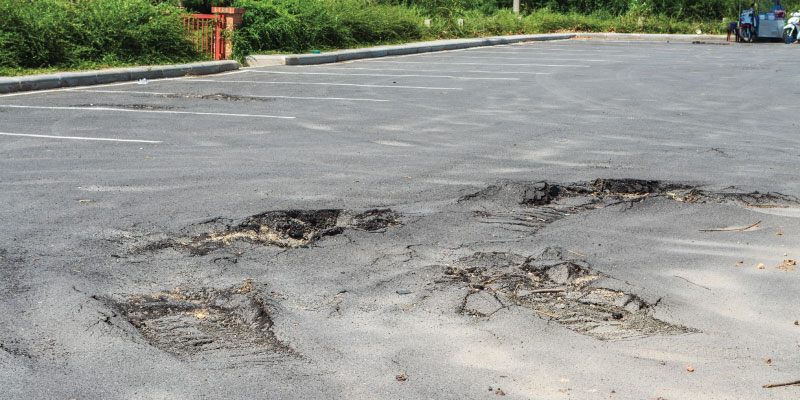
578,219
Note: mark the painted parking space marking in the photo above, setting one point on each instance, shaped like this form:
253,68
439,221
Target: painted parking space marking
114,109
388,75
81,138
490,64
331,84
443,71
542,53
529,58
253,96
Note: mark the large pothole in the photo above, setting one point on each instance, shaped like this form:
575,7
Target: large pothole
283,228
531,205
555,286
194,323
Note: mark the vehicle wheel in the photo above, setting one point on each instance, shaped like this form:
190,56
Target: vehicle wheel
746,34
789,35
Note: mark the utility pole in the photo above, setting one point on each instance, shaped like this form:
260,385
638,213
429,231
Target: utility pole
516,6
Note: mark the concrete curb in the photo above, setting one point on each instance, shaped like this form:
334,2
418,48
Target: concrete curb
70,79
648,36
453,44
397,50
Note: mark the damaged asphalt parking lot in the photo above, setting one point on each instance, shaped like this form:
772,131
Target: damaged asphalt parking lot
579,219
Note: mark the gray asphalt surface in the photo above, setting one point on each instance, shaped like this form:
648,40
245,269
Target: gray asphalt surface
130,269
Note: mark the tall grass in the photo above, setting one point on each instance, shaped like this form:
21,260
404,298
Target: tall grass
694,10
65,34
504,22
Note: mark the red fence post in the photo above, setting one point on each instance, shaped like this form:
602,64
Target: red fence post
232,17
205,31
219,45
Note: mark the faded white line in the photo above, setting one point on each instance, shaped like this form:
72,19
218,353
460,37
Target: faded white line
434,70
528,58
387,75
332,84
503,57
144,111
229,73
393,143
493,64
81,138
258,97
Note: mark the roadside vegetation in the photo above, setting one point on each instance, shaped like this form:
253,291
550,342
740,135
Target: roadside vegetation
50,35
302,25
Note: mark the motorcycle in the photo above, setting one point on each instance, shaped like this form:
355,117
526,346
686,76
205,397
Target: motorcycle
747,21
791,28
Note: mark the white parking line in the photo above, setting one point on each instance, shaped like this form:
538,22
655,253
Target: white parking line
81,138
576,58
388,75
331,84
258,97
555,52
493,64
435,70
143,111
238,71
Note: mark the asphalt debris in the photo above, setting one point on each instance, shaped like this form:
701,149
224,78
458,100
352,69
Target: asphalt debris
557,286
282,228
191,323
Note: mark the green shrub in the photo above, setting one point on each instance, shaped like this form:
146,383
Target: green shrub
299,25
60,33
35,33
130,31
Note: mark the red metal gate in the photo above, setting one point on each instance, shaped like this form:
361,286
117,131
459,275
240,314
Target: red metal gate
205,30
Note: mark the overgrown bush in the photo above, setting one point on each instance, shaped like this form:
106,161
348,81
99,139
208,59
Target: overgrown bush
60,33
298,25
696,10
504,22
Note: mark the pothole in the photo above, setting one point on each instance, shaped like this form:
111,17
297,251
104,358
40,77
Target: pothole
207,323
283,228
218,97
555,286
130,106
531,205
545,193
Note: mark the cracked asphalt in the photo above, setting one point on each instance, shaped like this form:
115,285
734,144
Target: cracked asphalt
581,219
